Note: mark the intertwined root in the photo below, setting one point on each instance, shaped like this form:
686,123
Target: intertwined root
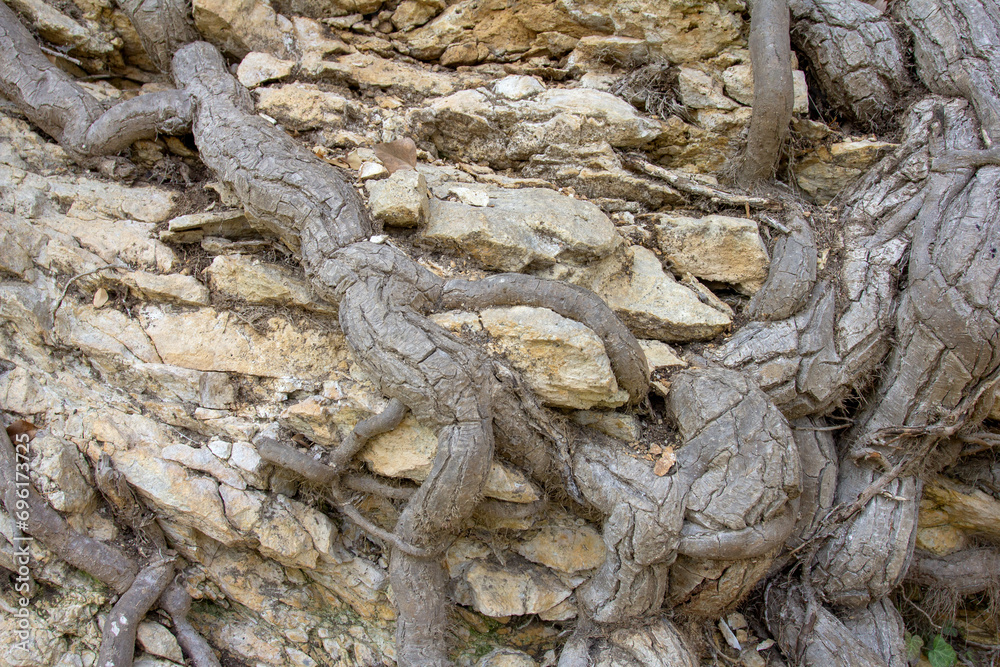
856,56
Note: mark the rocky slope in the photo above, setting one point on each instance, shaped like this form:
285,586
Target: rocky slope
147,324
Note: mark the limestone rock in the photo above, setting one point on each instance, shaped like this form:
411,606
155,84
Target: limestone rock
615,424
194,227
596,171
210,340
205,460
603,52
257,68
413,13
660,355
824,172
715,247
654,305
402,200
61,474
482,126
240,27
658,644
700,90
408,451
156,639
518,87
21,393
506,657
521,228
185,290
187,499
302,106
257,282
739,86
369,70
566,548
514,589
105,333
673,30
563,361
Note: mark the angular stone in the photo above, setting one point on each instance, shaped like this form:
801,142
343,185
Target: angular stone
506,657
302,106
716,248
156,639
402,200
479,126
257,68
518,87
602,52
217,341
674,30
699,90
240,27
185,290
739,86
116,241
522,227
660,355
399,78
516,589
563,361
61,474
615,424
412,13
187,499
257,282
824,172
566,548
654,305
204,460
105,333
21,393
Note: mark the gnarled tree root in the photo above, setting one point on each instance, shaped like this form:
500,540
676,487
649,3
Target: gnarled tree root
118,641
176,602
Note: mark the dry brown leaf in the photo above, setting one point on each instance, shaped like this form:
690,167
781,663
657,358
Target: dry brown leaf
398,154
100,297
20,428
665,462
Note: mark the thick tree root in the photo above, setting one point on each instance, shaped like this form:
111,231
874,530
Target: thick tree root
52,100
118,641
771,55
176,602
811,635
856,57
730,503
103,562
792,273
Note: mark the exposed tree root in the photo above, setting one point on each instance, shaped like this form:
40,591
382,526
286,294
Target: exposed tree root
104,563
176,602
771,55
118,642
688,185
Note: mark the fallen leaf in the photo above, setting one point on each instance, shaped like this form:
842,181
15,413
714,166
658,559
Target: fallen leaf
100,297
398,154
20,428
665,462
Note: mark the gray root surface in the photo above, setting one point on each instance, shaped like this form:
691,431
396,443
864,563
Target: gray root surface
703,536
118,637
792,273
176,602
856,57
53,101
810,634
382,294
103,562
771,55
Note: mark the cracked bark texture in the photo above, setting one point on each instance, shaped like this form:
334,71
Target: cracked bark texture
913,302
855,55
702,536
